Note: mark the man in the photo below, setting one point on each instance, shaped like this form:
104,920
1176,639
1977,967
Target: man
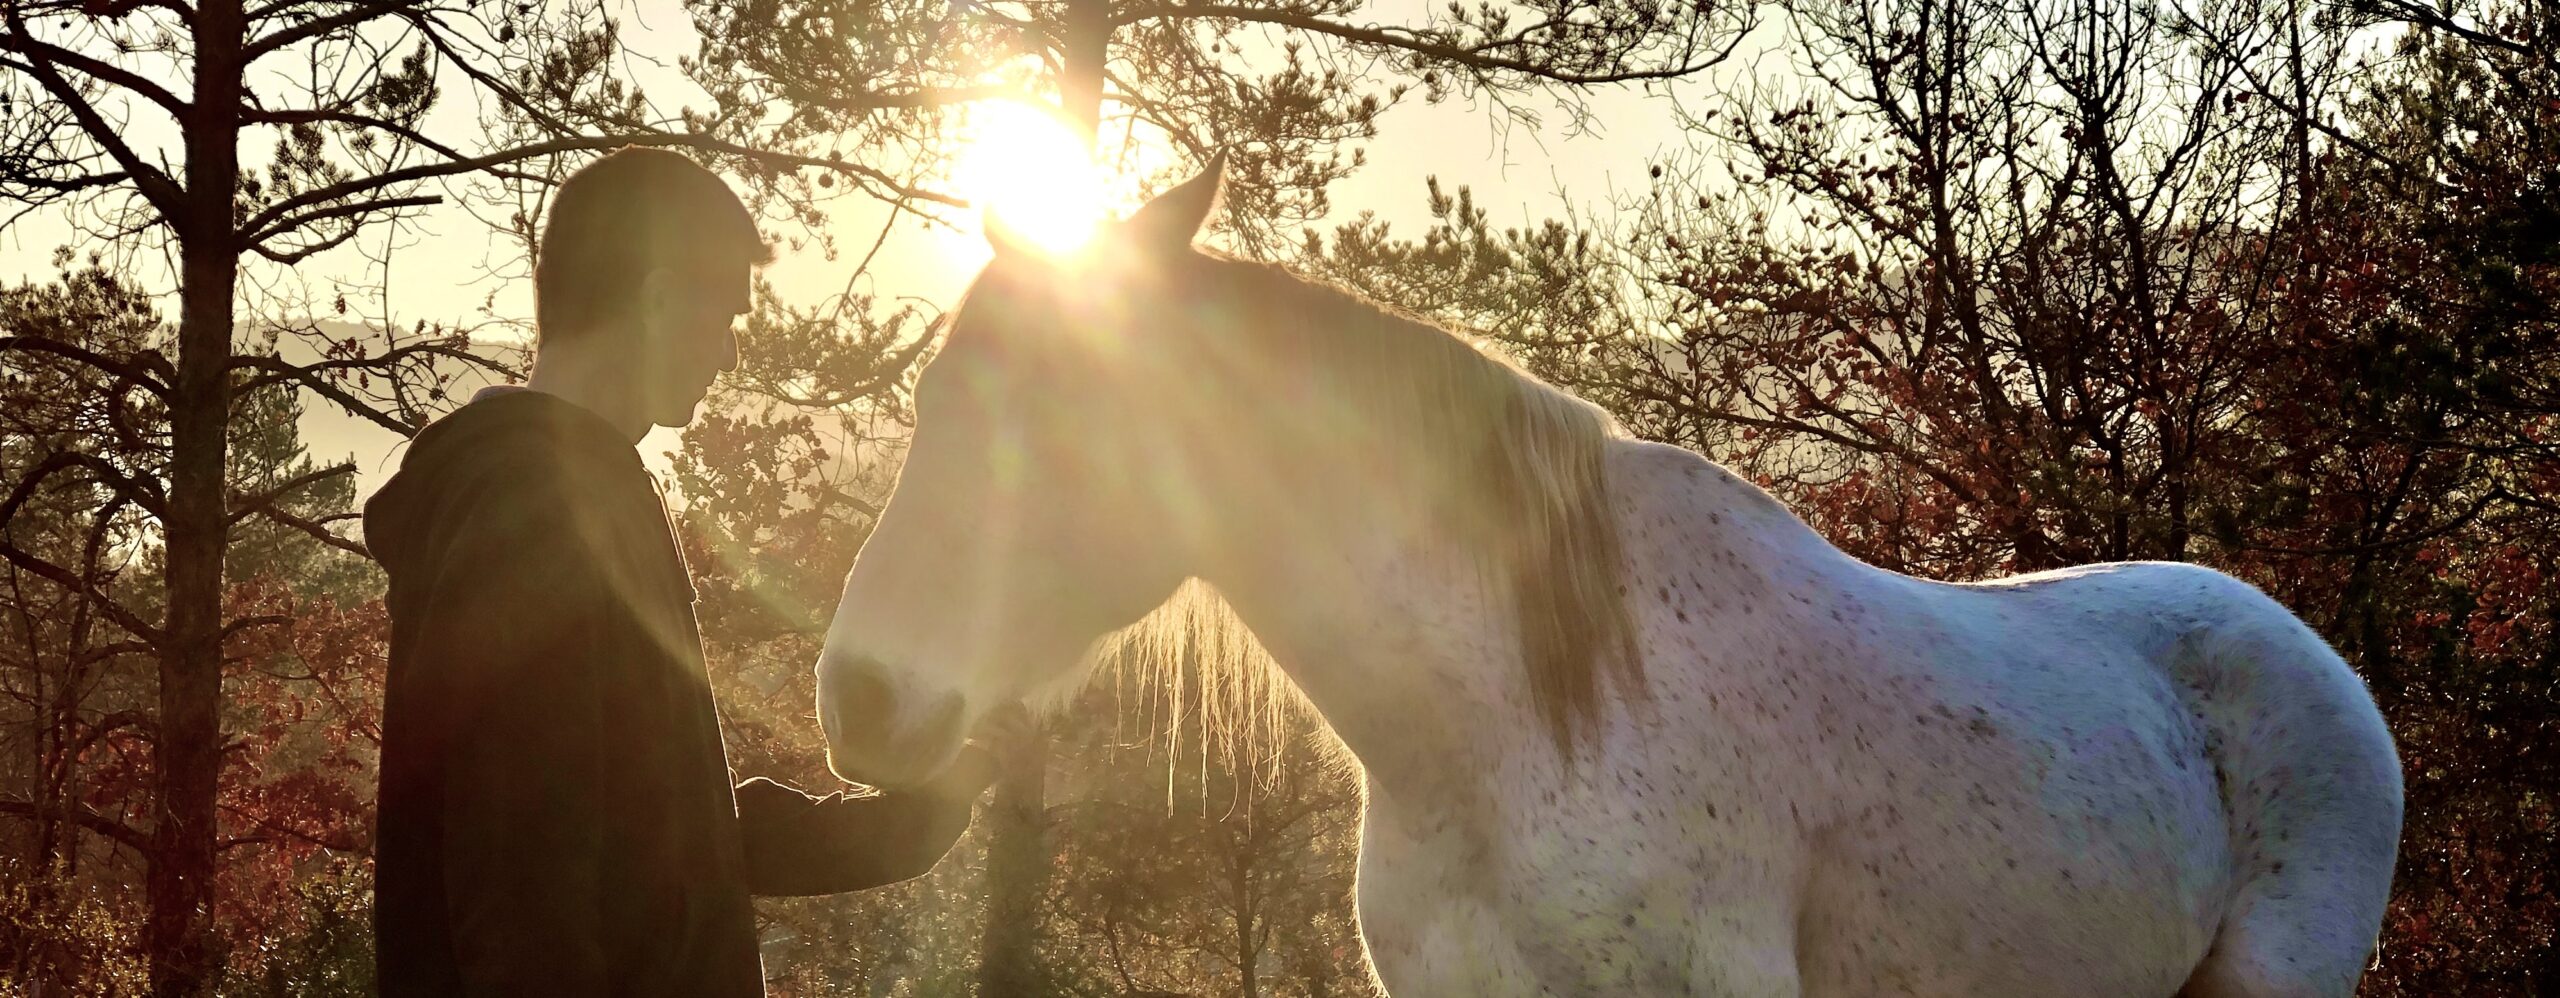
556,810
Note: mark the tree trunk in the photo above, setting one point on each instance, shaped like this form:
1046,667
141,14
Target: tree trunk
187,761
1248,951
1017,870
41,781
1017,846
1080,74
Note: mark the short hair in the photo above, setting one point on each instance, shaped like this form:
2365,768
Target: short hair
632,209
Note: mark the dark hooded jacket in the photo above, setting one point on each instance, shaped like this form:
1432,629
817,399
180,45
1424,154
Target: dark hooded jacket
557,815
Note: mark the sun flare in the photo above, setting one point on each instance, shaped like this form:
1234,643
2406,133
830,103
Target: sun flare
1030,171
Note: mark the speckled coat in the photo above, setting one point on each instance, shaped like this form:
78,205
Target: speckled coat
2115,780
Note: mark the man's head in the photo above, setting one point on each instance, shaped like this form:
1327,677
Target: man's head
644,265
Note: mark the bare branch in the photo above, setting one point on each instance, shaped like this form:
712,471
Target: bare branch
144,374
113,649
300,116
234,628
2451,524
901,100
1437,46
388,359
34,48
318,531
84,816
270,9
320,26
72,184
313,381
283,225
2429,17
143,493
307,250
246,505
63,577
266,219
156,187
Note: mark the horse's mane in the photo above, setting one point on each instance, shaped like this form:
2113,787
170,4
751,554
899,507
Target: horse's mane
1524,455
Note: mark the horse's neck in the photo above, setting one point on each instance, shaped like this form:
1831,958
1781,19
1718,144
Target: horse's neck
1415,660
1388,627
1400,650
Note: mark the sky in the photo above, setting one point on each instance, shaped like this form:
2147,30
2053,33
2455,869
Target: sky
438,267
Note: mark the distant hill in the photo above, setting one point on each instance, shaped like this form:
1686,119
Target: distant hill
331,433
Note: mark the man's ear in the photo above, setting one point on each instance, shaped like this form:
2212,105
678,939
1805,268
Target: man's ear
654,298
1176,216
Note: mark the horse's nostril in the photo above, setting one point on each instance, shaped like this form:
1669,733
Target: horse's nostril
864,703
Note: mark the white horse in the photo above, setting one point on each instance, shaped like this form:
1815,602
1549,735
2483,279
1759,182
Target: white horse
1627,725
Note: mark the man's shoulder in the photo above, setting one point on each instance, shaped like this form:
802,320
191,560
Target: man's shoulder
523,438
515,416
500,452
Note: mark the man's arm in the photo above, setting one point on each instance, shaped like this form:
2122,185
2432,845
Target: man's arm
518,610
800,845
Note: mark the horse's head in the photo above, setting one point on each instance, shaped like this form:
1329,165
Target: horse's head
1044,499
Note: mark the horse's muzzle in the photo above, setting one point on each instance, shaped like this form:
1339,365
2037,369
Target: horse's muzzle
874,736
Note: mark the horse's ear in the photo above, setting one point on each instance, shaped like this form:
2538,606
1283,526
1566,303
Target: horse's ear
1176,216
1002,237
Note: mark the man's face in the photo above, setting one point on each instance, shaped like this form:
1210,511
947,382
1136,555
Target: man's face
689,320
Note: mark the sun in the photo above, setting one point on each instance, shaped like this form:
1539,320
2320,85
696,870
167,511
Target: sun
1030,171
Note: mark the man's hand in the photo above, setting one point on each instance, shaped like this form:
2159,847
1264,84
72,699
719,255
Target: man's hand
799,845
